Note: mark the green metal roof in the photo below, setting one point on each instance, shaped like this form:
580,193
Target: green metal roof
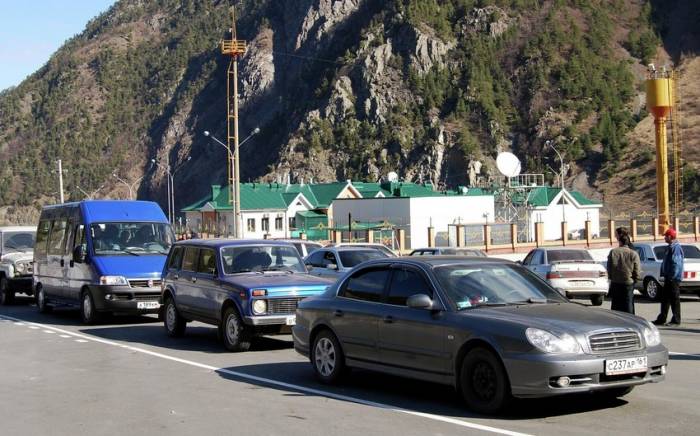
311,214
543,197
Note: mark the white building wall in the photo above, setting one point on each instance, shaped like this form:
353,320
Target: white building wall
576,218
394,210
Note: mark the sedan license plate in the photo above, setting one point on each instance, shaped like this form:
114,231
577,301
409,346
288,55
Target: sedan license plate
581,283
626,366
291,320
147,305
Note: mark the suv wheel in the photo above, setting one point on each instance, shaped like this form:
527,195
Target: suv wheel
597,300
41,302
88,312
174,323
484,382
652,288
233,332
6,295
327,358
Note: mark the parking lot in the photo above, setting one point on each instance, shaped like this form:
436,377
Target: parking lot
61,377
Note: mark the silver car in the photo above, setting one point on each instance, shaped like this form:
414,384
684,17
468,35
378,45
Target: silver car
447,251
16,266
652,255
334,262
488,327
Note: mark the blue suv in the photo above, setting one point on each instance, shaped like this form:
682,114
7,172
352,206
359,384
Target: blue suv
245,287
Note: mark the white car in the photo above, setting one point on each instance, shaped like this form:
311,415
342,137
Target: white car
16,257
571,271
652,255
381,247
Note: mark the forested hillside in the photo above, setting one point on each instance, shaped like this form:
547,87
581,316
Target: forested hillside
352,89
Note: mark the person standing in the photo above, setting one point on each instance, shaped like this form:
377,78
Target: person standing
623,270
672,272
622,231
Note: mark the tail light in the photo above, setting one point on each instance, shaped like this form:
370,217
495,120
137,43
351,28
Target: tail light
689,274
554,275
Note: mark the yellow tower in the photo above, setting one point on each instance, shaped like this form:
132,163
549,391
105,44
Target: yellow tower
235,48
660,103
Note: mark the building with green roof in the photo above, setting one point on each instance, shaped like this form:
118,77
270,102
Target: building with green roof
551,206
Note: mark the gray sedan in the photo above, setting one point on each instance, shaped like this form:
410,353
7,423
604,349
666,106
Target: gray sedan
490,328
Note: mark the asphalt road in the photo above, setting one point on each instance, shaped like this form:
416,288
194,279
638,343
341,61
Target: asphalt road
126,376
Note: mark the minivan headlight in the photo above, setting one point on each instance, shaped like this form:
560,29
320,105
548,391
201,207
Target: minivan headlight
259,307
551,343
651,335
113,280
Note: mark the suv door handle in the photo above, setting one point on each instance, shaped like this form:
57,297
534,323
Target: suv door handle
338,313
63,262
194,279
388,319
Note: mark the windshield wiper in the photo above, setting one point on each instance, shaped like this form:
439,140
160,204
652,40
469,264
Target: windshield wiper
245,270
133,253
279,268
532,301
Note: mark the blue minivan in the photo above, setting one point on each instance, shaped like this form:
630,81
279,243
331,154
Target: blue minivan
102,256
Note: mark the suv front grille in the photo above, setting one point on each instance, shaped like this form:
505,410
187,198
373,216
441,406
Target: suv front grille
282,305
613,342
144,283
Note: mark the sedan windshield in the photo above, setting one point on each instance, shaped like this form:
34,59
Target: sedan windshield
351,258
136,239
259,258
18,241
493,285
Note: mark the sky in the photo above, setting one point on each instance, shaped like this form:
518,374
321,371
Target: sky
32,30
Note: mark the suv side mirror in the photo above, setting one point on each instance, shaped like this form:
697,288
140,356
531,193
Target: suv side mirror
79,254
419,301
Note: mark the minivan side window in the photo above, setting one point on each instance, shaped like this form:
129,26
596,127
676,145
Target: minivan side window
42,237
366,285
189,262
57,238
207,261
176,258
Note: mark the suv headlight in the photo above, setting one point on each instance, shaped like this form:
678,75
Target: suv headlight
113,280
651,335
550,343
21,267
259,307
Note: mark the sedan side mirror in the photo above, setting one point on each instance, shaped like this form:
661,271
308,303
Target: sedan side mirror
419,301
79,254
332,266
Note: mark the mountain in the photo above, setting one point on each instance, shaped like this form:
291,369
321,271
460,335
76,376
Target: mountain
352,89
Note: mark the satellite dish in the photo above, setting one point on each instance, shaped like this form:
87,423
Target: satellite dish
392,177
508,164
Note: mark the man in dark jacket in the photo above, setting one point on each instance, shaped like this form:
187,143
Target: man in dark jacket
623,271
672,272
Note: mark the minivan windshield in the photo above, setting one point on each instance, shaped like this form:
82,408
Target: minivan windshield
18,241
493,285
261,258
135,239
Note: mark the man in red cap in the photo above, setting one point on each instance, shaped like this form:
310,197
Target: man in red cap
672,272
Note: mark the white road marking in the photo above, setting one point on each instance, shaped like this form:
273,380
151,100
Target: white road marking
19,323
33,327
49,331
277,383
65,336
82,341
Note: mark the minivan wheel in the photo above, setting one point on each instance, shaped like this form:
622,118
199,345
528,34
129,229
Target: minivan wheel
7,296
174,323
597,300
41,302
651,289
233,332
484,382
327,358
87,308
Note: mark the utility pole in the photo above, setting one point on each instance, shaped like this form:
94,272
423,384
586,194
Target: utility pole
235,48
60,181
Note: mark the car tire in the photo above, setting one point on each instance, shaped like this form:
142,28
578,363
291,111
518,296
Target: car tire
7,296
88,312
597,300
234,334
41,303
616,392
652,289
484,382
173,322
327,358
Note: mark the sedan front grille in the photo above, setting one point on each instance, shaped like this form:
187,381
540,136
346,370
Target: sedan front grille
282,306
615,341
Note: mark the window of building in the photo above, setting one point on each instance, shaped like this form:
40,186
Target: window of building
265,224
292,223
251,224
278,223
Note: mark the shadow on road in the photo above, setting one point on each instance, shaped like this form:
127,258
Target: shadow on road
414,395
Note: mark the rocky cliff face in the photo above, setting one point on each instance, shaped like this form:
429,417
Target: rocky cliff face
340,89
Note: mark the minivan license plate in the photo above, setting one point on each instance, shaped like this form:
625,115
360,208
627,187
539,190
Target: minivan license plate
147,305
626,366
291,320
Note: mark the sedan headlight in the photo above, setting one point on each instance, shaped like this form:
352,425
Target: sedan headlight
550,343
113,280
651,335
259,307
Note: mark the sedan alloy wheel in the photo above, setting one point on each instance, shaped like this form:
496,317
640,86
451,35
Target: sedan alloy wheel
327,357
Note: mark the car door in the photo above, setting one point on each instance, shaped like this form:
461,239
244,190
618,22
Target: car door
537,264
204,285
79,272
358,312
411,338
55,277
314,262
41,253
172,273
187,279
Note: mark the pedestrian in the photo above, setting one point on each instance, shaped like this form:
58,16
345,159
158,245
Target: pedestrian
672,272
623,271
622,231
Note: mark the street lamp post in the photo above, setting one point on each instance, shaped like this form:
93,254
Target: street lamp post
170,172
561,162
129,186
234,157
